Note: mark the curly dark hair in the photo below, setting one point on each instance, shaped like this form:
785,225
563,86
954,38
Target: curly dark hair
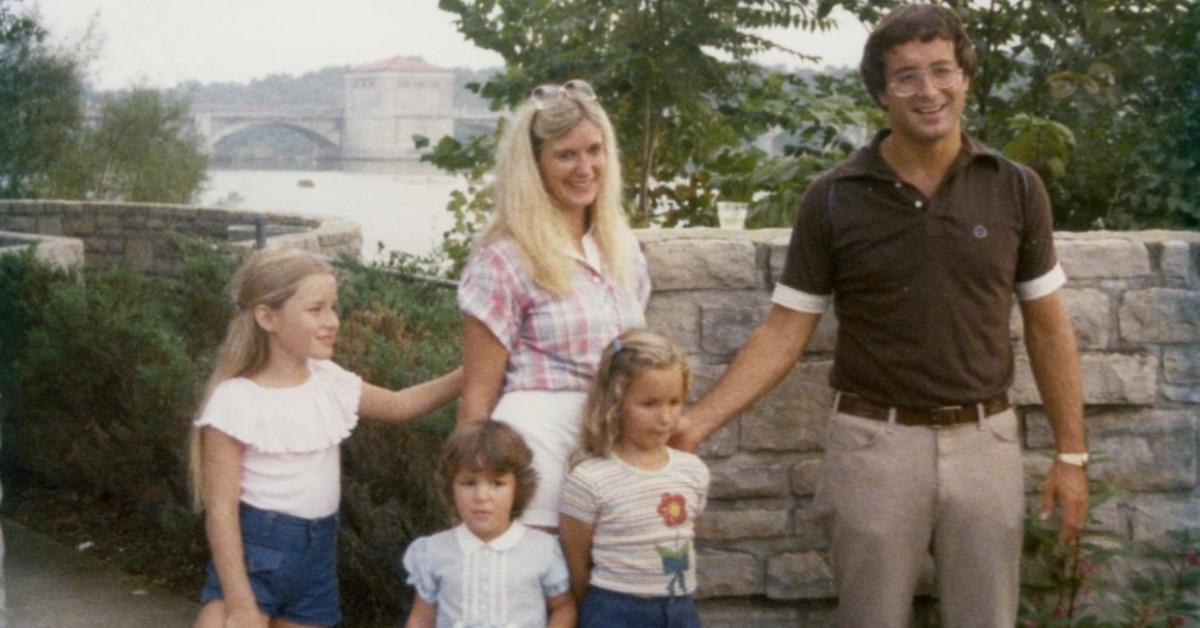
924,22
492,446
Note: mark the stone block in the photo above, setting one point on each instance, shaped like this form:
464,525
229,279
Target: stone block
793,415
727,525
724,574
1177,259
1107,378
108,223
1160,315
50,225
676,315
728,318
695,264
777,256
748,476
79,226
811,528
1150,450
1181,365
806,475
743,613
1185,394
723,442
139,253
1152,516
1103,258
23,224
799,576
1088,310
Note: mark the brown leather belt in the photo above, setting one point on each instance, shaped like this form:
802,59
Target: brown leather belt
937,417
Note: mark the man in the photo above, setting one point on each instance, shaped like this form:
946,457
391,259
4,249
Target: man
921,240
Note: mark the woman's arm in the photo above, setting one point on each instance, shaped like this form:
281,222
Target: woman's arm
221,468
484,361
411,402
562,611
423,614
576,538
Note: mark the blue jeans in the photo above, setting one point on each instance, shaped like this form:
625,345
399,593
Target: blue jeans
292,566
608,609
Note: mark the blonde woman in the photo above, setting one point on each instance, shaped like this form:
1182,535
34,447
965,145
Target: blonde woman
553,279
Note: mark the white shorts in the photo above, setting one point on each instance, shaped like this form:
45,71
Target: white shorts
549,423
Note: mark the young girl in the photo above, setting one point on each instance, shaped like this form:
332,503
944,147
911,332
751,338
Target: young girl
629,501
265,457
490,570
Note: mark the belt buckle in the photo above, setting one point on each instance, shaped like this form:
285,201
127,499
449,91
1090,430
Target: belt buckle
944,416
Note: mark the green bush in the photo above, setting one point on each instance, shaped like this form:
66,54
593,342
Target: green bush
106,370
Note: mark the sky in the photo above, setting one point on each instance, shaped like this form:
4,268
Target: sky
160,43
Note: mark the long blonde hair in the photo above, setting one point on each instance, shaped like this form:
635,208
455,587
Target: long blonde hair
525,213
267,278
625,358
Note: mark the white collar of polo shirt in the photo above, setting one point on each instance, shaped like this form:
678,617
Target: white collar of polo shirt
591,252
468,542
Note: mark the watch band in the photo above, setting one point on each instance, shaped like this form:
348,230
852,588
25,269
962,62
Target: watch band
1078,460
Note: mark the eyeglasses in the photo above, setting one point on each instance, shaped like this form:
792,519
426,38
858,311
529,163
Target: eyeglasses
545,95
908,82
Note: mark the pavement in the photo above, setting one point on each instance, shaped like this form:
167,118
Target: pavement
50,585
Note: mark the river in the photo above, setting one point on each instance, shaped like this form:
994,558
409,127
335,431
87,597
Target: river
403,212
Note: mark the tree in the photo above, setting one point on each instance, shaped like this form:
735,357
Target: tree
40,104
1102,97
142,149
674,75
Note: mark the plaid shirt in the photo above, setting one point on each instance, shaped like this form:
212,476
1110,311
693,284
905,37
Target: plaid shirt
553,343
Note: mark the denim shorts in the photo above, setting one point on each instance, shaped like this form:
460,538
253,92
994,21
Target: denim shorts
292,566
609,609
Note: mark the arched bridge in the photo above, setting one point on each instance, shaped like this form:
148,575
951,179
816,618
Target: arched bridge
320,124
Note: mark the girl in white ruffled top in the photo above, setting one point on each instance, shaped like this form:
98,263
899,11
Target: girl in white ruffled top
265,450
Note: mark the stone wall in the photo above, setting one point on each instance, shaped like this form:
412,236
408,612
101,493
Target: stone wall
1134,299
136,234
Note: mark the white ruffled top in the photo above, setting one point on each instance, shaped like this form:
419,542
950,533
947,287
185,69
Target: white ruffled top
292,462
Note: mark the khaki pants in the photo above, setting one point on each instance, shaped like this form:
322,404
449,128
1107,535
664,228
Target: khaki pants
897,492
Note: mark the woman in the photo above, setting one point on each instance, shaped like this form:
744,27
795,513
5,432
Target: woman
554,277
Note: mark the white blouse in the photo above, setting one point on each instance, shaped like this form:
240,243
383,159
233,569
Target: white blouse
292,462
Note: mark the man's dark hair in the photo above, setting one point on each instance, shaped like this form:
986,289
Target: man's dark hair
923,22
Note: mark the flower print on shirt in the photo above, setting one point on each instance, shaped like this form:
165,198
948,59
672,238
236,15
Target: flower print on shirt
673,509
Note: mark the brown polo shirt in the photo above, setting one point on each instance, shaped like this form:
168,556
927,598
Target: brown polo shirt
923,287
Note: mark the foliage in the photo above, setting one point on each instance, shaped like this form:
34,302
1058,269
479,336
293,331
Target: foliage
1120,77
674,76
40,99
141,150
1106,580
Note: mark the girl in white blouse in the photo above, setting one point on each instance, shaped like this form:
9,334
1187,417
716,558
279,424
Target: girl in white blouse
490,571
265,456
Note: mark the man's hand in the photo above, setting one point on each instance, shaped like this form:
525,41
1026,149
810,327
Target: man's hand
1066,485
686,437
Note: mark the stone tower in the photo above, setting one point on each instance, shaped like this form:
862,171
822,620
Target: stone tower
389,101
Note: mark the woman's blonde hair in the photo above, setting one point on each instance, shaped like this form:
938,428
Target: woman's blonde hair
267,278
524,212
625,358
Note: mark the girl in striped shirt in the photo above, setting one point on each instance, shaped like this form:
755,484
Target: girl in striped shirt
629,502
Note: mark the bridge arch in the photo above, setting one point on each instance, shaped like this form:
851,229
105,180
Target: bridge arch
326,142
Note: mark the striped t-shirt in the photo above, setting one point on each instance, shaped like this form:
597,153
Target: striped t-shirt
642,521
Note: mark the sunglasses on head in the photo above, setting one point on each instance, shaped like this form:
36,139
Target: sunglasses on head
545,95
